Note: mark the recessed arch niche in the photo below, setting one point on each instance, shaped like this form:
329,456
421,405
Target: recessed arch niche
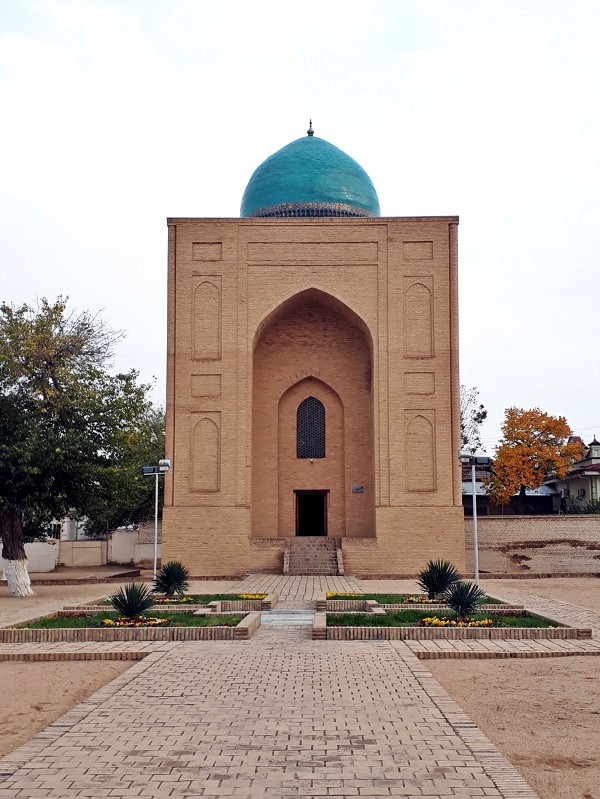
312,345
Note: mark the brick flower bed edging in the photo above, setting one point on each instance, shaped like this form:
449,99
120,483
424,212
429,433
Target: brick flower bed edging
353,606
241,632
501,655
224,605
511,610
322,632
372,606
33,657
92,610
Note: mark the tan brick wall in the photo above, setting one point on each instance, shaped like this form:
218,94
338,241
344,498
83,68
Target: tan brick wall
382,292
561,544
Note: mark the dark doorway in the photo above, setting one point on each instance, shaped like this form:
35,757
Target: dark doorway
311,512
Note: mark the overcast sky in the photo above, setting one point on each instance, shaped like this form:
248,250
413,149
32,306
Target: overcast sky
115,115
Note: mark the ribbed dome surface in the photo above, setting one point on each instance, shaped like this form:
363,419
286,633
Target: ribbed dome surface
310,177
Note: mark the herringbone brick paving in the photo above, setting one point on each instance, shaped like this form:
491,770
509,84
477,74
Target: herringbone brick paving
277,716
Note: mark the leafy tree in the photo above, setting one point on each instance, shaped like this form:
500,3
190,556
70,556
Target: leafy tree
472,416
534,447
122,495
66,424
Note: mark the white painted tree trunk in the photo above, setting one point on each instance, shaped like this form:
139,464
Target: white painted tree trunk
17,577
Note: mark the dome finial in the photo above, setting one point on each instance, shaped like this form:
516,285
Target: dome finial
310,131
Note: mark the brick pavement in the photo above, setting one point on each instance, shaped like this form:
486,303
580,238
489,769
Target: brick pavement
277,716
295,591
525,648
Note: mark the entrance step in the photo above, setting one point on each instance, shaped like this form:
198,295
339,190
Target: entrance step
288,618
313,555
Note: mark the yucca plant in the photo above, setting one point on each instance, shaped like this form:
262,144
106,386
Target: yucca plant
436,577
132,600
463,597
172,579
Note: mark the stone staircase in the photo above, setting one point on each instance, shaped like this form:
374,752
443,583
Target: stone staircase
313,555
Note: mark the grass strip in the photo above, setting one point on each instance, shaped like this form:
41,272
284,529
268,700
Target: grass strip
412,618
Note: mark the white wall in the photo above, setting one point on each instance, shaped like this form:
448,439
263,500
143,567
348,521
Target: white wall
42,556
125,548
121,547
83,553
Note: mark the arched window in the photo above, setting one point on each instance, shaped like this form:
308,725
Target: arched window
310,429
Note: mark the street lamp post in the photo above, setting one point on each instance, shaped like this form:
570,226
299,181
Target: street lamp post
155,471
485,463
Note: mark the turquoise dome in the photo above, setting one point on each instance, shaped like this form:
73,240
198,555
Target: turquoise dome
310,177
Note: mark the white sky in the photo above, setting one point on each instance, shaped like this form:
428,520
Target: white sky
115,115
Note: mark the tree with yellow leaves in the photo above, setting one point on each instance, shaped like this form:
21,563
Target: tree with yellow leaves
534,447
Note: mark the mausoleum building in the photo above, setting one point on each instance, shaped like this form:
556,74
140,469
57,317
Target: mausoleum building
312,377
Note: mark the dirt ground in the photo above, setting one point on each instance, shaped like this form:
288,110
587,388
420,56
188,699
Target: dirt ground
543,715
36,694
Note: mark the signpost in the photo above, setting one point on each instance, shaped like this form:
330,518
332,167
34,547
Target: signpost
148,471
485,463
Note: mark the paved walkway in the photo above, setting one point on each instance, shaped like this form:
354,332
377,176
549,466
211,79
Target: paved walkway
295,591
278,716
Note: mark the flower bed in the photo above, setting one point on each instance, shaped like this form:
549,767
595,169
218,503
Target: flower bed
354,603
137,621
241,603
413,617
206,599
445,621
411,625
107,627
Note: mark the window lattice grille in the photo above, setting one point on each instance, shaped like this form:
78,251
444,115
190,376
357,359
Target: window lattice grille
310,440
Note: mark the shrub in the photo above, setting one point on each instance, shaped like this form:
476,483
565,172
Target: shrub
437,576
132,600
172,579
462,597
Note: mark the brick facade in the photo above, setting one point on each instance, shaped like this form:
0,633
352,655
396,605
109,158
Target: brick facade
358,313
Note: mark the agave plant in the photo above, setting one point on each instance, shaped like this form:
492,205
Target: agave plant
462,597
172,579
132,600
436,577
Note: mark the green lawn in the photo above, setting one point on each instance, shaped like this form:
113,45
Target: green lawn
397,599
412,618
176,619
